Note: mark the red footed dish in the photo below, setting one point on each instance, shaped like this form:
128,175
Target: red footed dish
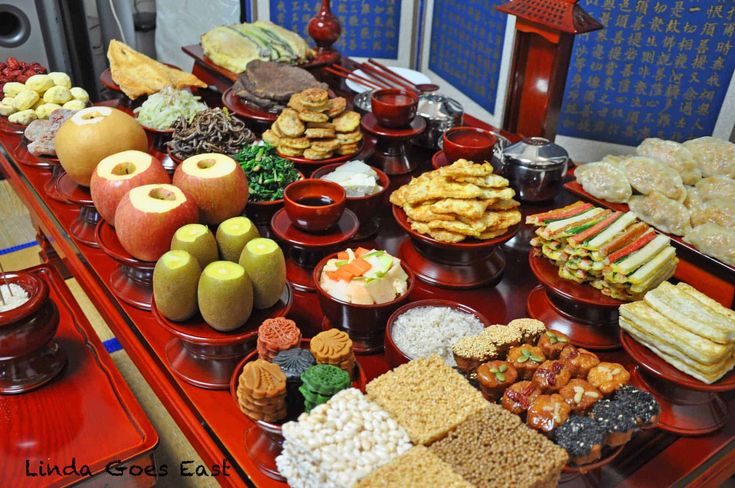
245,110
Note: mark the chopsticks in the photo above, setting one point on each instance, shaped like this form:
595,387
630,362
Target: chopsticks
390,74
343,72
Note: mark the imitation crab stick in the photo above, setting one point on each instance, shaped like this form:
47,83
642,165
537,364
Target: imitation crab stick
631,248
595,229
560,213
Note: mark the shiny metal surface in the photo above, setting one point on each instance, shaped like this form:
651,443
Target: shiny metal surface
535,168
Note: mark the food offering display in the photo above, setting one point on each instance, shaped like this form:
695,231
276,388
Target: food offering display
366,188
685,190
456,217
315,130
393,122
358,291
214,307
683,343
313,223
580,249
40,148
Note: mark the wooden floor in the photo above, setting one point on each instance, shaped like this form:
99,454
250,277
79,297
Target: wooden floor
16,230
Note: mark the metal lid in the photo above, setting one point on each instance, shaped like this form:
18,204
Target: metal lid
439,107
536,152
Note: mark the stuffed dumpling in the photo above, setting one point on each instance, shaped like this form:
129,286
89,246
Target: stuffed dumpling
663,213
714,156
674,155
647,175
716,187
721,211
714,240
605,181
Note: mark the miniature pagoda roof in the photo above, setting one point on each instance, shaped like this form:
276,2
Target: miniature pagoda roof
562,15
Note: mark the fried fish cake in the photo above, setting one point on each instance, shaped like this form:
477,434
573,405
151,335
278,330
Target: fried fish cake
271,138
295,142
346,149
320,125
317,133
314,98
347,122
316,155
309,116
276,130
325,145
349,137
336,106
289,124
295,102
289,151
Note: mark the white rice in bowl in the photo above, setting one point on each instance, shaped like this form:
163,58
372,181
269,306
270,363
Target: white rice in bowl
423,331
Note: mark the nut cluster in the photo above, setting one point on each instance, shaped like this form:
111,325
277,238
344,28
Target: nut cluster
426,397
484,450
339,442
417,467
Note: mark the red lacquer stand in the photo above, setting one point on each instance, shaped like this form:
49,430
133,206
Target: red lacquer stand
306,249
9,127
257,120
205,357
264,440
83,227
390,148
132,280
582,312
688,406
463,265
27,159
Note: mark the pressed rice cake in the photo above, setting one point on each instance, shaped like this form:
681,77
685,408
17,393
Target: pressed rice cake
426,397
493,448
416,468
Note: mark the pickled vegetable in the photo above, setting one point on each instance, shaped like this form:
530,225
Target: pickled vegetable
25,100
39,83
79,94
60,79
24,117
57,94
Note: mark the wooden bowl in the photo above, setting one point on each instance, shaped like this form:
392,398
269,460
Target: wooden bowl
300,201
394,108
365,324
393,354
470,143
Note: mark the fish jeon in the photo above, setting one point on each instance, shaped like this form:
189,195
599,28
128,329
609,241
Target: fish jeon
460,201
612,251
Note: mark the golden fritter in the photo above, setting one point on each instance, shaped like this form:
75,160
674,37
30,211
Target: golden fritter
317,133
347,122
336,106
295,102
314,98
420,190
346,149
309,116
424,213
316,155
288,151
320,125
325,145
438,234
271,138
471,209
489,181
350,137
295,142
464,168
289,124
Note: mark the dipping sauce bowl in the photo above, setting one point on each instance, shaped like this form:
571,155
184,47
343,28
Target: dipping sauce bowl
314,205
394,108
470,143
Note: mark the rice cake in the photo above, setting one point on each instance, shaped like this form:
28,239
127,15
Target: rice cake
416,467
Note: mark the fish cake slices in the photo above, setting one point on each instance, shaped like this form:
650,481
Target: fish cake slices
325,145
317,155
309,116
336,106
295,142
295,102
347,122
289,123
349,137
320,125
289,151
346,149
315,98
271,138
276,130
317,133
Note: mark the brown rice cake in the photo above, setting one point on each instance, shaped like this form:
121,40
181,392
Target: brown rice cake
426,397
416,467
336,106
347,122
318,133
316,155
493,448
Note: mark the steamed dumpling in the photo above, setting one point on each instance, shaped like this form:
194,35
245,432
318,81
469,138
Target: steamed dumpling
721,211
714,156
647,175
674,155
716,187
714,240
604,181
663,213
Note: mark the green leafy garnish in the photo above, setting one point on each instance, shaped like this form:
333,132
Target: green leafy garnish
268,174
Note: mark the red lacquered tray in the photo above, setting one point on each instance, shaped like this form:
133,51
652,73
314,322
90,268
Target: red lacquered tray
688,251
323,162
87,412
234,103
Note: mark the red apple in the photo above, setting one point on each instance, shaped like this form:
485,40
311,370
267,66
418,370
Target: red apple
120,172
216,183
147,218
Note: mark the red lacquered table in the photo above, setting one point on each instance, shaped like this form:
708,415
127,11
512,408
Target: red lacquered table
212,421
86,416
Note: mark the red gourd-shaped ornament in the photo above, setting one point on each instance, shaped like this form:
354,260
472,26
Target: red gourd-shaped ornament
325,29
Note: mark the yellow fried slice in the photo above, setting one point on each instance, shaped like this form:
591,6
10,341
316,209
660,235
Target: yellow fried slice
423,213
314,97
295,142
295,102
320,125
289,151
318,133
438,234
271,138
347,122
336,106
464,168
346,149
471,209
289,123
309,116
349,137
325,145
316,155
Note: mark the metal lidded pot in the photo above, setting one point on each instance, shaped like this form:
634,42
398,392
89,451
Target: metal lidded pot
441,113
535,168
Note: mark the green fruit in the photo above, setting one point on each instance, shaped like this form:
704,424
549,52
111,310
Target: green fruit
264,262
175,281
197,240
233,234
225,295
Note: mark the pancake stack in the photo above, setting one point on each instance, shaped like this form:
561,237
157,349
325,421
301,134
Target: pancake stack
261,391
321,382
613,251
276,335
460,201
334,347
685,328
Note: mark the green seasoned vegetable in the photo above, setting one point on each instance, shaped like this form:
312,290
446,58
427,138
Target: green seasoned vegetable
268,174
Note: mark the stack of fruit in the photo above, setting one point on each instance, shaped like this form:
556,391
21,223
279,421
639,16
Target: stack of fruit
39,95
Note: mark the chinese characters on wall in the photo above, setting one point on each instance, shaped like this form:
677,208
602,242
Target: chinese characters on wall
467,46
370,28
660,68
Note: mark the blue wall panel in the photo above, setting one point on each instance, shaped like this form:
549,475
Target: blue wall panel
467,46
658,69
370,28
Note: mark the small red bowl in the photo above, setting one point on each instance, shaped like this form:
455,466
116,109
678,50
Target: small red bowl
470,143
262,212
33,324
314,205
393,107
367,207
365,324
393,354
